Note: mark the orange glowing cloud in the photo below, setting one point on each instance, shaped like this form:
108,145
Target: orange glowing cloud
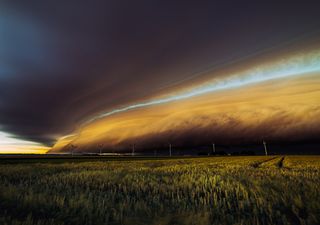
276,109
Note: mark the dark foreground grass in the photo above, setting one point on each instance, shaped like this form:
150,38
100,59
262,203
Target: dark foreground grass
199,191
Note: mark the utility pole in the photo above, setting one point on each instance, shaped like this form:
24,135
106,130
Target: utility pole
133,148
265,147
213,148
72,147
112,150
170,149
100,148
155,152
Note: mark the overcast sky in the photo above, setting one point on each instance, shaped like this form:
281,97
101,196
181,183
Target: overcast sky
63,62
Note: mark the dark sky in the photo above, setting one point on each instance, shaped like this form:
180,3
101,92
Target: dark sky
63,61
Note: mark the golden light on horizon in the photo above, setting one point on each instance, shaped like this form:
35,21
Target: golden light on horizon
12,145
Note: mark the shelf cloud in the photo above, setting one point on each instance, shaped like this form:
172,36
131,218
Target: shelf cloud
119,72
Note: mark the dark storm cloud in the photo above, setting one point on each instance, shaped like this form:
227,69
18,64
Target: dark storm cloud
280,128
63,61
225,129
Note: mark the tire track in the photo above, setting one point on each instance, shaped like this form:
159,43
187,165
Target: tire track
280,164
261,163
275,162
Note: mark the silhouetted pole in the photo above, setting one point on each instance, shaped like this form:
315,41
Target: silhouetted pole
265,147
133,148
170,149
72,148
100,148
155,152
213,148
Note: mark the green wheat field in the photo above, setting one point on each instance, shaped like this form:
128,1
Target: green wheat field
176,191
